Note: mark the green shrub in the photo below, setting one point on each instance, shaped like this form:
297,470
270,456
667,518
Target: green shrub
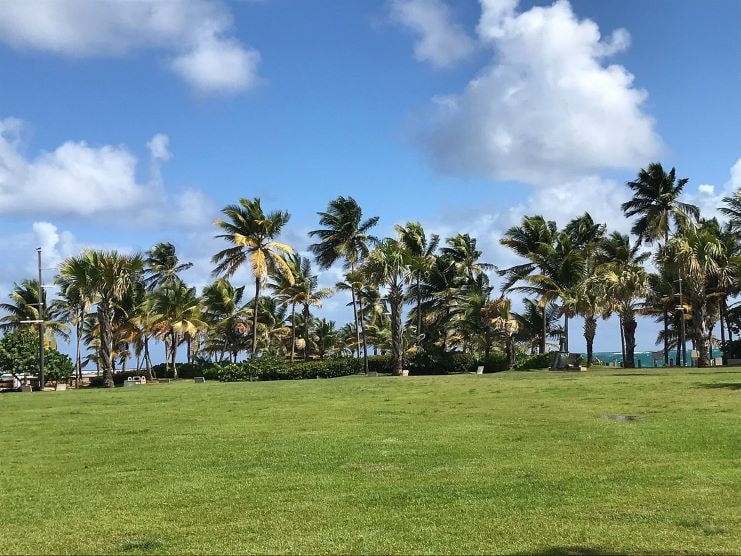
380,364
496,362
539,361
732,349
278,368
440,363
57,366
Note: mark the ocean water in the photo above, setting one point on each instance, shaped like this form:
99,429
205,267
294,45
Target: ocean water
642,358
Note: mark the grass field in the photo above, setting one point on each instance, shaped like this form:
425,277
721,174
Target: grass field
518,462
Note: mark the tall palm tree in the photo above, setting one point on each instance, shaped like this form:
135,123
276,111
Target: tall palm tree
389,265
178,315
252,234
111,276
162,265
345,236
76,298
656,203
703,259
532,240
530,323
506,324
732,210
24,306
226,316
422,253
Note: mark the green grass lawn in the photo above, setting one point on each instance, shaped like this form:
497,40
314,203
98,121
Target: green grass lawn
518,462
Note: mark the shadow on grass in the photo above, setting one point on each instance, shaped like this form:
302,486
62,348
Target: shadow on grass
722,385
583,551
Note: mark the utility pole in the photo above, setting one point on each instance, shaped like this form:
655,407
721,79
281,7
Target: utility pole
41,327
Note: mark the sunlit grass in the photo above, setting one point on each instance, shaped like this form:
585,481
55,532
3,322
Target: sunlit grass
521,462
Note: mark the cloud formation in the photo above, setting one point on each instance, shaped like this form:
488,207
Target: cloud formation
195,35
80,180
548,108
442,42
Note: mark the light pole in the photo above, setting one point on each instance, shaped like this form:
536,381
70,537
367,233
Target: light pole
41,327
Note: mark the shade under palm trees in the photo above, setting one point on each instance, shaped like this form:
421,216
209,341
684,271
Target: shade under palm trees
253,236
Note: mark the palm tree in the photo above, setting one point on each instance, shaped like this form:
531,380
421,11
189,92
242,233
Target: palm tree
178,315
76,299
530,323
624,286
656,203
733,210
111,276
162,265
24,306
253,233
389,265
532,240
506,324
226,316
422,253
702,257
345,236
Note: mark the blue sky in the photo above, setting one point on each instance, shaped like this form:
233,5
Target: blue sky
298,102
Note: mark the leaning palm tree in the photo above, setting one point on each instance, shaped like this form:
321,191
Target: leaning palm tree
162,265
252,234
111,276
389,265
345,236
656,203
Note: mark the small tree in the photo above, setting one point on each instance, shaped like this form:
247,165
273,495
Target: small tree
19,353
57,366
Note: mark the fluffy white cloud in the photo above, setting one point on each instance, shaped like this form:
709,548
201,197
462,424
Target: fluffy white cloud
548,109
442,42
194,33
80,180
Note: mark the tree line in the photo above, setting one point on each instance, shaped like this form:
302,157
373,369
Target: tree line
411,292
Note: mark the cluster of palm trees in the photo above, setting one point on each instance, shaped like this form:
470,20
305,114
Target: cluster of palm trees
409,293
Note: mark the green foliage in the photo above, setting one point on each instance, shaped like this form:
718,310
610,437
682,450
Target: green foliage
381,364
278,368
441,363
19,353
539,361
732,350
496,362
57,366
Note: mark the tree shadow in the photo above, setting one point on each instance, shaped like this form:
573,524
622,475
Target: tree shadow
722,385
583,551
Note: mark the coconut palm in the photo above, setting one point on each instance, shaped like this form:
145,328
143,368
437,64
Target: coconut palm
345,236
422,253
326,337
111,276
226,316
76,299
252,234
732,210
703,259
532,240
24,306
530,323
505,323
178,316
389,265
162,265
659,211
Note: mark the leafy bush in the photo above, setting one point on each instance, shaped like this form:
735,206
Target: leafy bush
539,361
185,370
119,378
57,366
732,349
278,368
440,363
378,363
19,353
496,362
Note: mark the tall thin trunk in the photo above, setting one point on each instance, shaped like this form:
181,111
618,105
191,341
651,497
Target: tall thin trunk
622,339
722,310
590,331
254,317
293,330
544,331
106,347
188,346
566,332
666,338
147,359
396,300
362,331
307,315
699,314
174,342
419,308
78,356
355,312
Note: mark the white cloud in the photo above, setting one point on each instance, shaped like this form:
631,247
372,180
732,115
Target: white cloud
708,198
548,109
80,180
194,34
441,42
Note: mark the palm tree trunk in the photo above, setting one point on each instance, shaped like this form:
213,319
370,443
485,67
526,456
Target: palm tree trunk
566,332
622,339
174,354
722,306
306,332
106,348
254,317
362,332
419,309
293,330
148,360
699,314
396,300
544,332
666,338
630,343
590,331
78,357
